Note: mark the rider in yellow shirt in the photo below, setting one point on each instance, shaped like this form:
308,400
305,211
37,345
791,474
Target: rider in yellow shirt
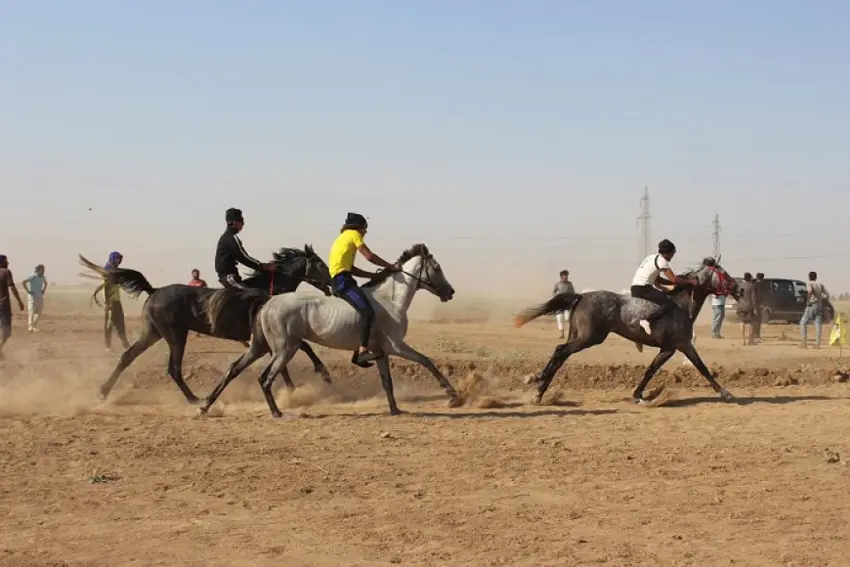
342,269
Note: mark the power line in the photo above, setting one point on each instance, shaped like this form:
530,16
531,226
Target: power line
716,247
643,222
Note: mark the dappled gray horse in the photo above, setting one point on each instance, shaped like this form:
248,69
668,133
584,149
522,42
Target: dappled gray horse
285,321
596,314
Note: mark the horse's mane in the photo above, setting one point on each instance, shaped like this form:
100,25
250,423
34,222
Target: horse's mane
286,255
412,252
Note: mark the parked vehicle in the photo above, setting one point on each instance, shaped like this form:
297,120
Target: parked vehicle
784,299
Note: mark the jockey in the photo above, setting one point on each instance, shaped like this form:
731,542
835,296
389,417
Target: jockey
229,252
644,284
342,270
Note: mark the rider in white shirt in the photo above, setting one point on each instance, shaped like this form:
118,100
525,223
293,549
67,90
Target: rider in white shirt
644,284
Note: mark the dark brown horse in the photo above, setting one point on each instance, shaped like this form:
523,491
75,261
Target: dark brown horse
171,312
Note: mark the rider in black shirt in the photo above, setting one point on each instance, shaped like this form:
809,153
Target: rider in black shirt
229,252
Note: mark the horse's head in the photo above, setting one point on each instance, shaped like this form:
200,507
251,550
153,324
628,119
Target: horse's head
712,279
304,265
420,264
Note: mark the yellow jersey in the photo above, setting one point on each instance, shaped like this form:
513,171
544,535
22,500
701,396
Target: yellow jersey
344,249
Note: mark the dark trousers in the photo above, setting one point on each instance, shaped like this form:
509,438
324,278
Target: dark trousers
5,324
656,296
346,288
113,320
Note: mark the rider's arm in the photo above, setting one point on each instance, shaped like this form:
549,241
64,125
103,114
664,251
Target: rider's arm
26,288
44,289
372,257
355,271
96,291
241,256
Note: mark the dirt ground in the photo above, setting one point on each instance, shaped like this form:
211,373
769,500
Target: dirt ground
587,478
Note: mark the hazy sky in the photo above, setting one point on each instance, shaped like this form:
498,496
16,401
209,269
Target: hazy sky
514,138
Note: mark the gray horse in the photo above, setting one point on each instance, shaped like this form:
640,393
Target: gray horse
286,321
596,314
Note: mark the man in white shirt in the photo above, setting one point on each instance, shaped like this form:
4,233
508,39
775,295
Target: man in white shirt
644,284
36,287
816,296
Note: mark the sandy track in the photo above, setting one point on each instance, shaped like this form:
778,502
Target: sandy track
588,479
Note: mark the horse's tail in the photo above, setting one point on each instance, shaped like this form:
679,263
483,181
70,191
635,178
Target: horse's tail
561,302
131,281
216,302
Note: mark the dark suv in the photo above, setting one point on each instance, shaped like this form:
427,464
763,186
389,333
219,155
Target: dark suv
781,299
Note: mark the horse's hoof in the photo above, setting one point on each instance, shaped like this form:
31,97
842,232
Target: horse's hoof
194,400
455,401
396,411
277,414
530,379
726,396
537,400
202,411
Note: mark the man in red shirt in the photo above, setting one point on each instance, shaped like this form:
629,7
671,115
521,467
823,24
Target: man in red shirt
196,279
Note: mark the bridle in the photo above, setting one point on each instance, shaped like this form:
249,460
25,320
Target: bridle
725,282
421,283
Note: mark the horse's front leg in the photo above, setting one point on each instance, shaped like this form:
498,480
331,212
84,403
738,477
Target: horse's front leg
407,352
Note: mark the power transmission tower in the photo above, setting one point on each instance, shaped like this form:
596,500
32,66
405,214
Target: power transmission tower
644,230
716,233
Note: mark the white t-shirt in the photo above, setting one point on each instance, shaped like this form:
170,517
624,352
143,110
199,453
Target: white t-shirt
649,269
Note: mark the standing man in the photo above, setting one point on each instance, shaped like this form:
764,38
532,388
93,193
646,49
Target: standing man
36,287
113,315
718,314
745,308
196,280
229,252
816,295
757,307
563,285
7,283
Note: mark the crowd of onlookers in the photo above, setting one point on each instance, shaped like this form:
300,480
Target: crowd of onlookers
35,286
750,310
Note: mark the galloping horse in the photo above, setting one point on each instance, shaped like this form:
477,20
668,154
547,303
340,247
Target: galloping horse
171,312
596,314
286,321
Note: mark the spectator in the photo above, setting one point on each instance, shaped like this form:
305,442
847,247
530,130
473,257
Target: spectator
757,307
745,308
196,280
7,284
36,287
563,285
718,314
816,295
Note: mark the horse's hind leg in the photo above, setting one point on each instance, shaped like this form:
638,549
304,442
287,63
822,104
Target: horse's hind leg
660,359
148,338
318,365
256,352
559,357
177,343
275,367
691,353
